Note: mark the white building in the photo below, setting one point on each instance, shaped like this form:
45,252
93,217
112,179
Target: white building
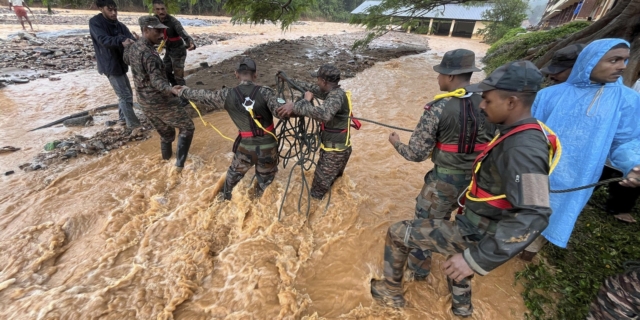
454,20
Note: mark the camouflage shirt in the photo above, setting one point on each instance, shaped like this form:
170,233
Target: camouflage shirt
332,102
215,99
175,30
333,112
149,75
423,138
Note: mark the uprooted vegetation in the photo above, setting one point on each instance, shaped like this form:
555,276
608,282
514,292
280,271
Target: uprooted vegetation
517,45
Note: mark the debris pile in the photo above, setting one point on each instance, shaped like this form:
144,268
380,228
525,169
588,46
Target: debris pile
40,57
101,143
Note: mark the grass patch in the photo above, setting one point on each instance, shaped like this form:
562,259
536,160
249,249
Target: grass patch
513,48
564,285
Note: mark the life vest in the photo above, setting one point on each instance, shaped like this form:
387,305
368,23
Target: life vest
354,123
475,193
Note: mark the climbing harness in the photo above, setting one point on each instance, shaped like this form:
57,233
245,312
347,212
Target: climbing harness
257,130
354,123
468,121
475,193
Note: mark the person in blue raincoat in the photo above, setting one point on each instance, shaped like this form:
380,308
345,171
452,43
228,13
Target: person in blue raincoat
596,117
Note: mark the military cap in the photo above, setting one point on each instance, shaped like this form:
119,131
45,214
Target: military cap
151,22
520,76
563,59
246,64
457,61
327,72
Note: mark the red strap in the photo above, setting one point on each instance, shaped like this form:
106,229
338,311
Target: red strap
475,190
249,134
166,36
454,147
498,203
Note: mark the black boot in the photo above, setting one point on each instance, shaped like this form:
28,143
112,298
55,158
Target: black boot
165,148
183,149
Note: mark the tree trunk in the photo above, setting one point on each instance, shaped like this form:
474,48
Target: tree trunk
622,21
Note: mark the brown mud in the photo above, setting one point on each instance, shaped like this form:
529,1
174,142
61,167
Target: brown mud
122,236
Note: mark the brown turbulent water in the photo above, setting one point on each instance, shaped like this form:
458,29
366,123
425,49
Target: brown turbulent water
123,237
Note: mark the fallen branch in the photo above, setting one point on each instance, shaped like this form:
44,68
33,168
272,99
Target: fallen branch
76,115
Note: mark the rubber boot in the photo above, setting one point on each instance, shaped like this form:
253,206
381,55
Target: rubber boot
165,148
387,293
460,297
184,143
226,192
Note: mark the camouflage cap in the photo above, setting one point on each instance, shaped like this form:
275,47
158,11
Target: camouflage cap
457,61
151,22
563,59
246,64
327,72
520,76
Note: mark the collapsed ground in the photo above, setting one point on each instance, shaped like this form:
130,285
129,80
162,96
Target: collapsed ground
297,58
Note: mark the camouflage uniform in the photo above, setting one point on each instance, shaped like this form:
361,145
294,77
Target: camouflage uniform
485,235
259,151
334,114
176,51
450,121
160,106
618,298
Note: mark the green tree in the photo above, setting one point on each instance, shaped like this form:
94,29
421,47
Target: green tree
284,12
504,16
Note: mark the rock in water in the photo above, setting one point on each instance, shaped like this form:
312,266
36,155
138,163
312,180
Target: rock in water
77,122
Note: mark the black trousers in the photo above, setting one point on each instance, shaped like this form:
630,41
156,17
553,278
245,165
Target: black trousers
620,199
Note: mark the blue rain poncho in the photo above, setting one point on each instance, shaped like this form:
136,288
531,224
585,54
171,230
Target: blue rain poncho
593,122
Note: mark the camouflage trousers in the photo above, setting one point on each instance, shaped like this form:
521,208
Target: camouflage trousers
439,195
437,199
618,298
165,118
264,158
430,235
174,59
330,166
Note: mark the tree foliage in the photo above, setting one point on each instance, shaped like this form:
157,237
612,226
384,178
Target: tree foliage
504,16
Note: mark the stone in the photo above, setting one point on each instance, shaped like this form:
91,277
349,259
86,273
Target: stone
58,53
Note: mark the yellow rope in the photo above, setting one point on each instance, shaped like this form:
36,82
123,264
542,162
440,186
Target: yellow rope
455,93
347,142
260,126
554,158
207,123
161,46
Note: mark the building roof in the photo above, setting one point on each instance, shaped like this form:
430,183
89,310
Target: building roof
449,11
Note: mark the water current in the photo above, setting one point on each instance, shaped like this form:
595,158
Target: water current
123,237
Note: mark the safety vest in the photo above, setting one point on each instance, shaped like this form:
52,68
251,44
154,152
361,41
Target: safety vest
346,130
475,193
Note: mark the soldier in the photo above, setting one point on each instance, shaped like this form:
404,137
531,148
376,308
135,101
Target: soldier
455,126
562,62
493,229
334,114
175,37
256,144
618,298
158,103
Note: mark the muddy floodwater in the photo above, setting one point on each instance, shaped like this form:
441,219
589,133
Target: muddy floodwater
120,236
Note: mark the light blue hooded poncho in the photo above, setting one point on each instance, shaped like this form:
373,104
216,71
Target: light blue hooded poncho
593,122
